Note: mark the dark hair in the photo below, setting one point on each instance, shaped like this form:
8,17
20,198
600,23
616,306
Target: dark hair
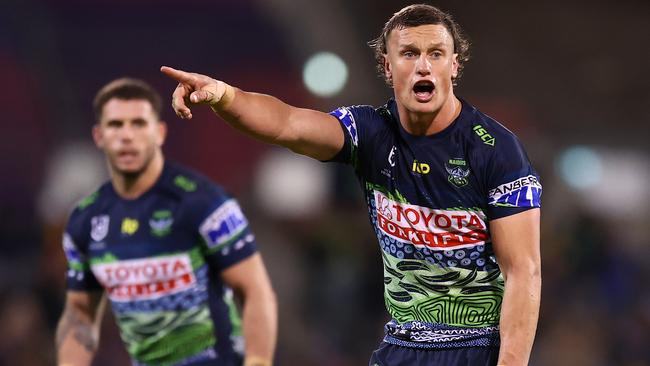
416,15
126,89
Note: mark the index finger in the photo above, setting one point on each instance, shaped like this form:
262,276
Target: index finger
179,75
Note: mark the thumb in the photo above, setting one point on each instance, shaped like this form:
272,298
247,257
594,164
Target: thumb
201,96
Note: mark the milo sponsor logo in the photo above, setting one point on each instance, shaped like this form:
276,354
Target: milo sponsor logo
432,228
145,279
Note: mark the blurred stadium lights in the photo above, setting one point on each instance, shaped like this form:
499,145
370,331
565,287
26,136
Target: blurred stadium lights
325,74
291,186
75,170
611,182
580,167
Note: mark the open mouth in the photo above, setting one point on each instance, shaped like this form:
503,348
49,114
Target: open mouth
423,89
127,154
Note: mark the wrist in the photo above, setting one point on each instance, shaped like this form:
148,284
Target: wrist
226,98
257,361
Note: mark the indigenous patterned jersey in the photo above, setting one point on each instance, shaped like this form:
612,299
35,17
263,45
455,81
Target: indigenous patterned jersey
158,258
430,199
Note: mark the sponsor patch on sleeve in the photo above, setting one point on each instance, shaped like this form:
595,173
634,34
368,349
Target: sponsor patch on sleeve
223,224
345,116
76,260
522,192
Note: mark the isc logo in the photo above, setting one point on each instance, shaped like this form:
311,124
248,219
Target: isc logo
422,168
484,135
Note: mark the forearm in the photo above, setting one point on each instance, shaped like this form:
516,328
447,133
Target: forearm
77,339
519,314
266,118
260,327
261,116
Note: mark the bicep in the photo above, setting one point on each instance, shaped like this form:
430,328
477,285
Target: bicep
515,240
247,275
313,133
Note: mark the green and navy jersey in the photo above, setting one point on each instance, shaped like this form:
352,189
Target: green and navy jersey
158,258
430,200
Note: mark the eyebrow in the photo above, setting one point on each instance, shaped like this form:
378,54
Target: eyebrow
412,45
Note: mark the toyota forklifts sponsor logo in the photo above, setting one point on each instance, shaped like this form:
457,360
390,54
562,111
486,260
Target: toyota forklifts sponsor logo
145,279
431,228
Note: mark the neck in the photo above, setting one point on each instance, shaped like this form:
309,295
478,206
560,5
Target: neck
424,124
132,186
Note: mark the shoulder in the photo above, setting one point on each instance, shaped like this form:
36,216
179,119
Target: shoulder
87,209
197,194
190,185
364,120
488,135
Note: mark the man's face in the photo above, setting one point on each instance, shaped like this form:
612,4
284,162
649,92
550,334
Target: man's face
421,63
130,133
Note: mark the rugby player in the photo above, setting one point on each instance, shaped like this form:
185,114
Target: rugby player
167,247
451,194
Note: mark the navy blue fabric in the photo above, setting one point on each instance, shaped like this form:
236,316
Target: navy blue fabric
392,355
183,215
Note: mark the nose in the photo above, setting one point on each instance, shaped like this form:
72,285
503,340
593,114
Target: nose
127,132
423,66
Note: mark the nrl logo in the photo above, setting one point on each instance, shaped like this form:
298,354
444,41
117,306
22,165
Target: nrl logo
99,226
457,173
161,223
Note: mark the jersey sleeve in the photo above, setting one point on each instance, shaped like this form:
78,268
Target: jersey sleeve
79,276
226,234
513,185
354,122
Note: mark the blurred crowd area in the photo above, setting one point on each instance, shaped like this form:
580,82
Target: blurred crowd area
569,78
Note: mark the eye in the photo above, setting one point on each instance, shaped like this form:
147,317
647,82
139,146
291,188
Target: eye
436,54
114,123
139,122
408,54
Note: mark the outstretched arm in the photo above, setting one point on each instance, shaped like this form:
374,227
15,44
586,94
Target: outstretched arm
516,245
260,319
305,131
77,335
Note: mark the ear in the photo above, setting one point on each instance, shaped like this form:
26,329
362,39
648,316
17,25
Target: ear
387,69
98,136
454,66
162,133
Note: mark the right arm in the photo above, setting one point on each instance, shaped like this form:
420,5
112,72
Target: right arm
266,118
77,334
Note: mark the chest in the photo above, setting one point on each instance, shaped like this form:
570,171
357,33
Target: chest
134,230
436,174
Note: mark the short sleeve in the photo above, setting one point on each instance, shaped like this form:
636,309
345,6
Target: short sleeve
356,122
513,185
79,276
226,234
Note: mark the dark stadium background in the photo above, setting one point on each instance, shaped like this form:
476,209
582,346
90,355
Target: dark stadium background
561,74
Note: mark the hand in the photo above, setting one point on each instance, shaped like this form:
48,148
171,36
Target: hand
195,88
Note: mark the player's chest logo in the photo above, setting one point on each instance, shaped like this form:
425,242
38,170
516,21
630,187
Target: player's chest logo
457,171
161,223
99,227
392,160
391,156
420,167
129,226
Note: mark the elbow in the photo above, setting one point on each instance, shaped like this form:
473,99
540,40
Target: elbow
271,298
527,270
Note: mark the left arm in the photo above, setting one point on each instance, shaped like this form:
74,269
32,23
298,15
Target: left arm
250,280
515,240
